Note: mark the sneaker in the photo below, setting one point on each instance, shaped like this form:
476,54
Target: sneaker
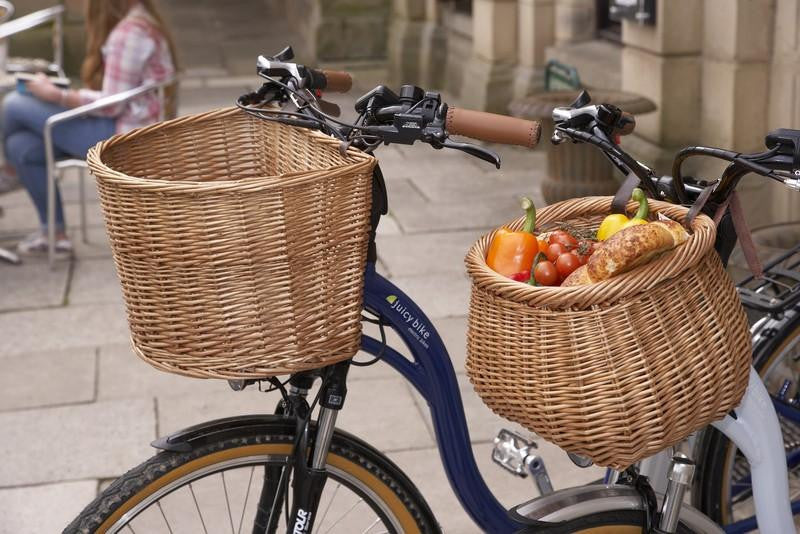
8,182
36,244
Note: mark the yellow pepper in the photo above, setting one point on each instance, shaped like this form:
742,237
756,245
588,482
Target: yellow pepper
617,221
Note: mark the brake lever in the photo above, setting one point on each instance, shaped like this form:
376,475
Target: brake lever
329,108
472,150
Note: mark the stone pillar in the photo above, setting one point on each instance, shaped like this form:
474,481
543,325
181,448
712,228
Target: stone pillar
433,48
663,63
340,30
735,88
575,20
405,35
535,32
490,72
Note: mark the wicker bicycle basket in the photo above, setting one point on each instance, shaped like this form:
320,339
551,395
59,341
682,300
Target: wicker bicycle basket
618,370
240,243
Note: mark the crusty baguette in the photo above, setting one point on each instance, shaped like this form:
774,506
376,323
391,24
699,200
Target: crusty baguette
631,247
578,277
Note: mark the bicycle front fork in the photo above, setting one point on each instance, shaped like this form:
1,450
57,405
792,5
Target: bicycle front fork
307,467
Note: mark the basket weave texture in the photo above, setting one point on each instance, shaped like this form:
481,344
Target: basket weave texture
240,243
618,370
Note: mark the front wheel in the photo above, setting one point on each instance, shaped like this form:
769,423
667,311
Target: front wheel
219,486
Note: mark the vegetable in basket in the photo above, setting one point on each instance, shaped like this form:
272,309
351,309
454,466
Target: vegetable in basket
617,221
511,253
627,249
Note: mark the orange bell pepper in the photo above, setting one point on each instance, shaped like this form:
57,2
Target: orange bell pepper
511,253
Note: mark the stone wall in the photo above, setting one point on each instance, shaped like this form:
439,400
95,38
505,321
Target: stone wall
339,30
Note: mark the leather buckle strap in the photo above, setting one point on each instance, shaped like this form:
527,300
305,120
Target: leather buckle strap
620,202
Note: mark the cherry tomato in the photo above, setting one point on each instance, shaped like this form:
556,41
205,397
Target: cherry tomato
566,263
545,273
563,238
554,251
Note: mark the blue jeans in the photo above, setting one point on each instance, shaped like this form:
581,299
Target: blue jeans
23,125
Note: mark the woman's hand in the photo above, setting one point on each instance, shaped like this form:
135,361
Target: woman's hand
42,88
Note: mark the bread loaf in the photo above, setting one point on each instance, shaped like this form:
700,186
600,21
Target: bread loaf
628,248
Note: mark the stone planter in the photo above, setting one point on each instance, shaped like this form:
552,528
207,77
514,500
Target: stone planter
575,170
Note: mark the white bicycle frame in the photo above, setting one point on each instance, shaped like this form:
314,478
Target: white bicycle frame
756,432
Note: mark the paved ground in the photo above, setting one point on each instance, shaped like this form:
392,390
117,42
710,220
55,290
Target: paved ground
77,408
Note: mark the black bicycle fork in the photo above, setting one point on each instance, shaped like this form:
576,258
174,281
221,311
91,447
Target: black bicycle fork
309,455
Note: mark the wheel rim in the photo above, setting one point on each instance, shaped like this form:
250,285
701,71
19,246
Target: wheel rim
337,512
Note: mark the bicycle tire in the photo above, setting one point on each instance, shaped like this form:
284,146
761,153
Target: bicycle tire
387,486
716,452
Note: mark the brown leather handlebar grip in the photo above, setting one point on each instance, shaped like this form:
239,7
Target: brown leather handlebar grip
626,124
493,128
338,81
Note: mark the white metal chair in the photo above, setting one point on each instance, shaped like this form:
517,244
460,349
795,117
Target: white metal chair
53,14
55,168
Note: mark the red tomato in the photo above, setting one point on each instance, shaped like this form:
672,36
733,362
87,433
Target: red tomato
554,251
546,273
566,263
563,238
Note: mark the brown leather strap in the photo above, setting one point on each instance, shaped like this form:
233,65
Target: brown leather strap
620,202
698,205
745,237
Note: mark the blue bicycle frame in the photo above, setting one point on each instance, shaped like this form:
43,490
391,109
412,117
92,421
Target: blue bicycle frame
432,374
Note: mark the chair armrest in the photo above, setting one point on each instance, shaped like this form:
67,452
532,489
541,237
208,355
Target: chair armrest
37,18
101,103
6,10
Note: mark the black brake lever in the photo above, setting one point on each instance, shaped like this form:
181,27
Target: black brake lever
472,150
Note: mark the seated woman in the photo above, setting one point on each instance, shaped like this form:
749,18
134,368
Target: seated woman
128,45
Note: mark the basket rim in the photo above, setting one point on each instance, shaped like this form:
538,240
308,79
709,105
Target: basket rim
634,282
361,161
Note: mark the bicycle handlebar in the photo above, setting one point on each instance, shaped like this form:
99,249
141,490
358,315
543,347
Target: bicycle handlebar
336,81
493,128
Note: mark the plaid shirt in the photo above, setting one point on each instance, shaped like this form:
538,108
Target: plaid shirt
135,53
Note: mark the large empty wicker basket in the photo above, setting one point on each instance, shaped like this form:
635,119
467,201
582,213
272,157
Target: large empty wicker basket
240,243
617,370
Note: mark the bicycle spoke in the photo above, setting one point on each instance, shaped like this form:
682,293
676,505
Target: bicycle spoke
377,520
327,508
359,501
158,503
130,528
197,506
246,495
227,501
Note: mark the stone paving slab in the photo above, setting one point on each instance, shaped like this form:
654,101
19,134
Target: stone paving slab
419,254
63,328
43,509
439,294
48,378
377,408
471,188
98,440
95,282
476,214
33,285
123,375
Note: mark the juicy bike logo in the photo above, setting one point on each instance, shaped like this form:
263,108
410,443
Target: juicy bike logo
417,328
302,522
